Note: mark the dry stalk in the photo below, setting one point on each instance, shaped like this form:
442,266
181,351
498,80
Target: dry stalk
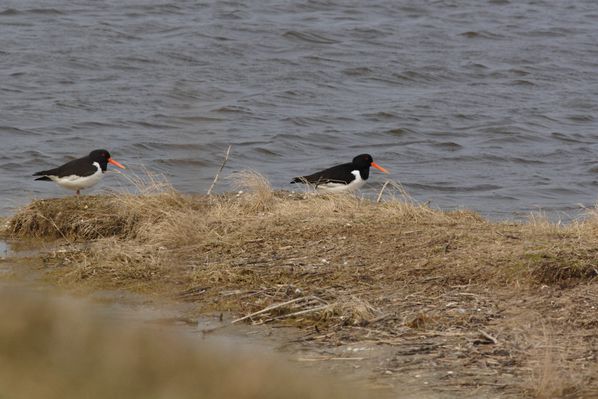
219,170
267,309
382,191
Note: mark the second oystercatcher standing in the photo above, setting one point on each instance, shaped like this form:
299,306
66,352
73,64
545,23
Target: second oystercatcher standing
346,177
80,173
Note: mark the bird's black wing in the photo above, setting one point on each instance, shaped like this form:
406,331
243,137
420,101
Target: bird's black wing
336,174
80,167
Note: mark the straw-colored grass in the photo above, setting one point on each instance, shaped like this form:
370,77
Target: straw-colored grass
348,267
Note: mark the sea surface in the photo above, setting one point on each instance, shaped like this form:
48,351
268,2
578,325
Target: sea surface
490,105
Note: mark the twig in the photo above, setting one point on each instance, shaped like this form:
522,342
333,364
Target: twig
488,336
326,358
220,170
285,316
191,292
275,306
382,191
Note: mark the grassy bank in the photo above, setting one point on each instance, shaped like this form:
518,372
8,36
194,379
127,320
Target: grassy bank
443,290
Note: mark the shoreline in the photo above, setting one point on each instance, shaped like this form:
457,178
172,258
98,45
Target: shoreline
465,304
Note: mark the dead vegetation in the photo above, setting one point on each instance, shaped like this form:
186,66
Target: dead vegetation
441,289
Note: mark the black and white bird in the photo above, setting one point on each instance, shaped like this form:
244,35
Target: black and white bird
346,177
80,173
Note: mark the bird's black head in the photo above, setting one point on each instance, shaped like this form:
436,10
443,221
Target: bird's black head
363,161
103,158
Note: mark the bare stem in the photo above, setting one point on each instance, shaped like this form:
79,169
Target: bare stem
220,170
382,191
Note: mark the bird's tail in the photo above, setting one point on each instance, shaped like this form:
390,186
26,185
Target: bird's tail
298,180
43,175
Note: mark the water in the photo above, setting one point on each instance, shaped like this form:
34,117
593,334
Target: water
487,105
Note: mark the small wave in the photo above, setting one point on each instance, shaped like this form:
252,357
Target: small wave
518,72
567,138
16,131
268,152
399,131
94,124
37,11
468,117
303,120
309,37
357,71
192,119
418,76
448,145
11,166
9,12
233,109
180,57
476,66
522,82
581,118
480,35
155,9
381,116
526,161
164,147
183,162
153,125
368,33
135,60
554,32
444,187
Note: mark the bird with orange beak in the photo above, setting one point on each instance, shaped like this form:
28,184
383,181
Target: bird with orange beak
80,173
342,178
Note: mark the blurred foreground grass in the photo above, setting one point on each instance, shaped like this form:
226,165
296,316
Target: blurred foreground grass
55,349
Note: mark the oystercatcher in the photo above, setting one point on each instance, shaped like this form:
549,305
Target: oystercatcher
346,177
80,173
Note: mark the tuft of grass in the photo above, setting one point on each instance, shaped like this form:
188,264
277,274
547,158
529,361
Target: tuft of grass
551,377
259,197
352,311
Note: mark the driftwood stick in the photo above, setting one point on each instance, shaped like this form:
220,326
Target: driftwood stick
220,170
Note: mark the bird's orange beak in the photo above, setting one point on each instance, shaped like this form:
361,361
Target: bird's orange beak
380,168
115,163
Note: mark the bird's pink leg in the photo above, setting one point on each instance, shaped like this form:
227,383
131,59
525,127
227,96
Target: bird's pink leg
77,192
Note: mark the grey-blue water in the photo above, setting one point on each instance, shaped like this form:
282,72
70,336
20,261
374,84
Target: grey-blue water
488,105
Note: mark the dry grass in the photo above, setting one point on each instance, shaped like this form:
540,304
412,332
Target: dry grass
51,348
347,267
